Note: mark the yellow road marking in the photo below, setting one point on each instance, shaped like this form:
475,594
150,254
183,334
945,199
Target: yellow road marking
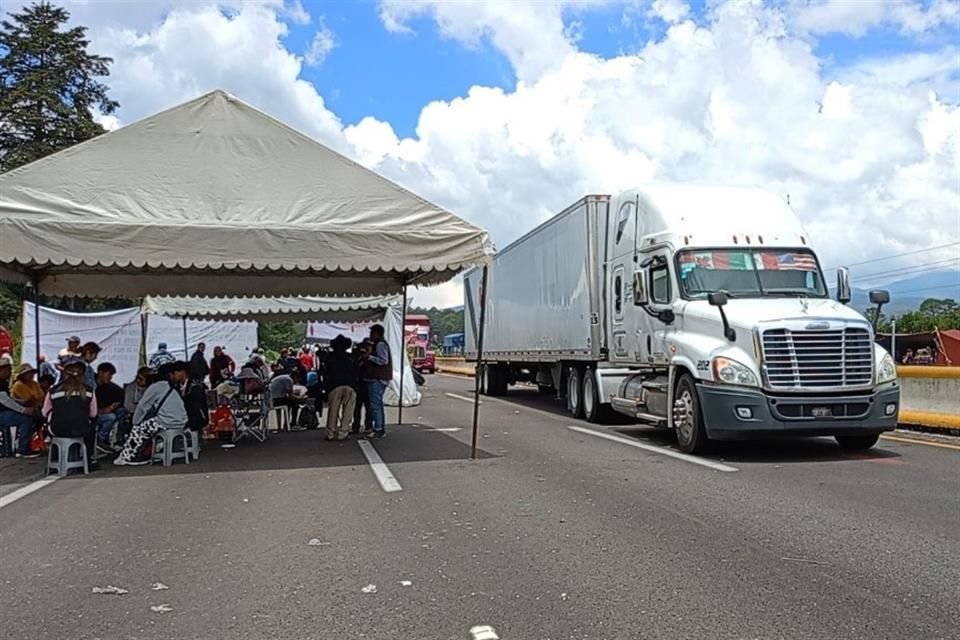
929,443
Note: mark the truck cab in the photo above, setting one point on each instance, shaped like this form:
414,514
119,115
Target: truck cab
719,310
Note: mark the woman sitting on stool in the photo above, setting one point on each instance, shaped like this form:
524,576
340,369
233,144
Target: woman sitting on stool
161,407
71,406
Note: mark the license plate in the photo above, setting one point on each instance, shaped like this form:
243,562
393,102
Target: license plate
822,412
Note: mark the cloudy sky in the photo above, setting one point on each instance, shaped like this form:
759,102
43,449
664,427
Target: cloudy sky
505,112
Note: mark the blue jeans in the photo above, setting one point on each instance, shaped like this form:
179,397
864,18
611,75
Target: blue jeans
375,389
106,422
24,425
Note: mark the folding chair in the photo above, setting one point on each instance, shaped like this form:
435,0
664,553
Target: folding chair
250,410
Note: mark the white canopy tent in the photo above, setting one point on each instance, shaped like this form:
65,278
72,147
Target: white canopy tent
213,197
384,309
216,198
326,309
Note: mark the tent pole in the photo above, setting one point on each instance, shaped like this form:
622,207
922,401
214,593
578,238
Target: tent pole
478,372
403,353
36,318
186,347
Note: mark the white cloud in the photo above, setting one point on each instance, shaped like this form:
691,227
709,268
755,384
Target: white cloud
321,45
670,11
857,17
869,155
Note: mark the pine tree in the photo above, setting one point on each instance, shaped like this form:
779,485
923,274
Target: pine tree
48,85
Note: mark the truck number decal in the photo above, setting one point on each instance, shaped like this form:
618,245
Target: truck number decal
703,365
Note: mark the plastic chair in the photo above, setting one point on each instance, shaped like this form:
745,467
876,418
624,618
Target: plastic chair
193,443
63,463
281,416
168,439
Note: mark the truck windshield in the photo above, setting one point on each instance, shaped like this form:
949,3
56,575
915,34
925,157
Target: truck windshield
750,273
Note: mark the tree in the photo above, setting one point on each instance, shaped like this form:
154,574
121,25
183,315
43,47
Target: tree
932,314
48,86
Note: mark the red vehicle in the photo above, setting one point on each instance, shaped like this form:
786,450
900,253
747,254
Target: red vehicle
417,333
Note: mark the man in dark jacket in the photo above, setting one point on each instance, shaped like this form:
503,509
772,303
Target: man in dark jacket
377,374
341,382
195,402
199,369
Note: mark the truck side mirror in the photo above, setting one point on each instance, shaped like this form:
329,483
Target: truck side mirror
843,286
717,298
878,297
640,297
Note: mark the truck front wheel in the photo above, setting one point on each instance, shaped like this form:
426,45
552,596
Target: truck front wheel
858,443
575,392
687,417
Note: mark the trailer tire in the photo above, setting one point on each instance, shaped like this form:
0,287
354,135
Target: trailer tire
497,379
691,434
575,392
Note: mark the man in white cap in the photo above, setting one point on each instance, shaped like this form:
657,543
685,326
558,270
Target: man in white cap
13,414
72,350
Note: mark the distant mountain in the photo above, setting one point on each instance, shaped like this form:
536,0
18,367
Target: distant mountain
907,294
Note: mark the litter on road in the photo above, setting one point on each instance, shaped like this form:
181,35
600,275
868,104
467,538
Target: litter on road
159,586
161,608
110,590
317,542
405,583
370,588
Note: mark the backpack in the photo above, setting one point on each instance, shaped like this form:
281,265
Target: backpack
308,418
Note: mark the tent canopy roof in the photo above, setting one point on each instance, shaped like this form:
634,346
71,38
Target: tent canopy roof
232,200
298,308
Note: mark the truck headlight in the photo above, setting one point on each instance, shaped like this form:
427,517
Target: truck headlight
730,371
887,371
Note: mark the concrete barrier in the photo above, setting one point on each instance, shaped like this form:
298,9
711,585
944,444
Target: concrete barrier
457,366
930,396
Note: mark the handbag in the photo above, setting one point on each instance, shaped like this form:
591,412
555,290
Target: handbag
37,443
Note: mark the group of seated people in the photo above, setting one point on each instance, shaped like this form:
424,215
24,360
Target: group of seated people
111,420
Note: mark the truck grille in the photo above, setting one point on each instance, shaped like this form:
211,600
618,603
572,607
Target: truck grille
818,359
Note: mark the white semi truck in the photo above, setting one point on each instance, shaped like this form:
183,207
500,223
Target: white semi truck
703,310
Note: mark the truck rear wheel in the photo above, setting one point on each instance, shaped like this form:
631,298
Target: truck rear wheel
687,417
857,443
575,392
496,379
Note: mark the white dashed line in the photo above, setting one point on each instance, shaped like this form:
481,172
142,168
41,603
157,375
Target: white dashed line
380,470
710,464
23,492
459,397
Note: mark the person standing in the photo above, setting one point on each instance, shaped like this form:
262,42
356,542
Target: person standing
161,357
89,353
361,408
72,350
199,369
71,406
161,407
341,391
307,359
222,367
378,372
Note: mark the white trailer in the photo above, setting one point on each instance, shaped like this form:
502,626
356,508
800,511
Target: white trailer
700,309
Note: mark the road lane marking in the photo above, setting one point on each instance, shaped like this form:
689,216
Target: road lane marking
444,429
929,443
380,470
23,492
710,464
459,397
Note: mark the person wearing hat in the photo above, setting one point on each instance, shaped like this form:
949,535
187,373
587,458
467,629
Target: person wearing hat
72,350
71,406
161,407
161,357
13,414
25,389
110,409
89,352
341,379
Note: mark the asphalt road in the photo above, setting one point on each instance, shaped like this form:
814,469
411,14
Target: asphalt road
552,533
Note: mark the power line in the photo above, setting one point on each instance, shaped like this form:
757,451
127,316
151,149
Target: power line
940,286
898,255
917,268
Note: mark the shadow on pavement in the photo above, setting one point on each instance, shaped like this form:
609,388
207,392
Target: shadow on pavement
781,450
296,450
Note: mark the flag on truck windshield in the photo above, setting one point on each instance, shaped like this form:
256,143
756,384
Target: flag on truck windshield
787,261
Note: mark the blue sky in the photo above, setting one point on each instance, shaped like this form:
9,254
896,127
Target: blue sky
392,76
